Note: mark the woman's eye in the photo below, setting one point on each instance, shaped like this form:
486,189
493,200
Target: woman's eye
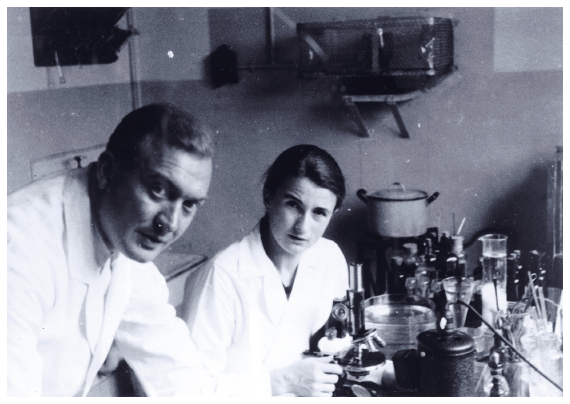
320,213
292,204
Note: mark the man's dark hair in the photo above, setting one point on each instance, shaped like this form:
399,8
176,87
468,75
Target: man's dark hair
165,121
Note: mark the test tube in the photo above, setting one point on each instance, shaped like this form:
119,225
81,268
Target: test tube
494,282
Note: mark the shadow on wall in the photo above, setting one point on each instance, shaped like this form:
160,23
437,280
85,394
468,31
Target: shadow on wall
348,227
520,214
524,211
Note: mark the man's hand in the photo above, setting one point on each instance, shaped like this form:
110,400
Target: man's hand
311,377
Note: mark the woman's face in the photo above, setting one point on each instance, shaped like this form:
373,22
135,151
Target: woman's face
299,214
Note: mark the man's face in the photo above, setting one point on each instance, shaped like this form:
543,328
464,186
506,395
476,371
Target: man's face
147,206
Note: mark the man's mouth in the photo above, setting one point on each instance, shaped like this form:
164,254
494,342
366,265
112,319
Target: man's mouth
151,240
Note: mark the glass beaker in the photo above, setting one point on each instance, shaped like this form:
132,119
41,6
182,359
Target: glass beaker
494,282
455,291
544,350
521,322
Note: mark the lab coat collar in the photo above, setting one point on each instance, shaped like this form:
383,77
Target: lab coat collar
253,260
116,299
86,251
86,254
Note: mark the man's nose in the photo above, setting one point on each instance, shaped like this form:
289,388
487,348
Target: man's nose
168,220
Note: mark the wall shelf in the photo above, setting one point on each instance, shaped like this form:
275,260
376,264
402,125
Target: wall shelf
392,101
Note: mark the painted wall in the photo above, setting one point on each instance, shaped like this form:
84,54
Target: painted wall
484,140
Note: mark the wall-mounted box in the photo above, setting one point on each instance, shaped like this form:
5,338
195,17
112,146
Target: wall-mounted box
77,35
385,46
61,162
24,75
171,45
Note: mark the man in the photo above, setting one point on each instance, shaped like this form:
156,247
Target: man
80,248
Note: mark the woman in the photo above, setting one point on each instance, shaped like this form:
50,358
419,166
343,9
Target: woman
252,310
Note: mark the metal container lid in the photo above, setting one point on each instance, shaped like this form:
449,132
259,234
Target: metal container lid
453,343
398,193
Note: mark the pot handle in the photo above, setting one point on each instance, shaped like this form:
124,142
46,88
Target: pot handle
361,193
432,198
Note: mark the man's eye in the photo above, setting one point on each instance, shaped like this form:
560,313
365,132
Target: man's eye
292,204
158,190
189,205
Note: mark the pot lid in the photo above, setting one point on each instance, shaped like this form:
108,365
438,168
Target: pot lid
398,194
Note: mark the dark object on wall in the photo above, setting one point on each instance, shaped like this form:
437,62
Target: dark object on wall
385,60
411,49
68,36
223,66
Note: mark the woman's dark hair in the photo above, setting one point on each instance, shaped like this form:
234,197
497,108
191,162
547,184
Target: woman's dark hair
306,161
166,121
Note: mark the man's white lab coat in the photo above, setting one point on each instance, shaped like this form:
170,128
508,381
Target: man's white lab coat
67,301
239,316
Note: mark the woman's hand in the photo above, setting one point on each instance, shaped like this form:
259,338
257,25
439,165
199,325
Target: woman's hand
311,377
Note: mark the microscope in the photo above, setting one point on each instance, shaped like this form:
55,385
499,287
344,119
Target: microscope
361,355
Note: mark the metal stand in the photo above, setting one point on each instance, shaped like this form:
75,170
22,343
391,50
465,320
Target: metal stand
389,99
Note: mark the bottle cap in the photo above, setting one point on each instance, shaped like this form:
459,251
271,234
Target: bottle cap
457,243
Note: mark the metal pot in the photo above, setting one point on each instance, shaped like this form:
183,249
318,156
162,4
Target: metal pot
397,212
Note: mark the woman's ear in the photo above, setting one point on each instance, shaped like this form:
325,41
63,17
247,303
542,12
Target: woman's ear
106,167
266,199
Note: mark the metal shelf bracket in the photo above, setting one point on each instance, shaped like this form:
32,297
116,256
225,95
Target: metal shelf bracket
389,99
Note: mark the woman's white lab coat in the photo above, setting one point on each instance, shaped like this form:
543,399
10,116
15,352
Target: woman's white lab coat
239,316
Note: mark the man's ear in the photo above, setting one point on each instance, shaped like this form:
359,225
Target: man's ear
106,168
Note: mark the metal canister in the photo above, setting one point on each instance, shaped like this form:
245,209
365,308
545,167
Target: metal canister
446,363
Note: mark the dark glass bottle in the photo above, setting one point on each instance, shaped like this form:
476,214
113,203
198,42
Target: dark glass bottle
514,277
396,275
430,259
442,250
410,262
448,259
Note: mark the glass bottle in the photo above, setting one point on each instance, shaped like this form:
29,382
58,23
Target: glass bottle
410,263
449,259
443,250
514,274
457,250
429,260
396,275
497,385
